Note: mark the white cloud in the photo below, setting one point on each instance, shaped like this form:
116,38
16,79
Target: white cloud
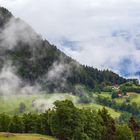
90,24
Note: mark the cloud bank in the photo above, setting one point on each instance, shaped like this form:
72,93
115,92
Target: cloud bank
102,34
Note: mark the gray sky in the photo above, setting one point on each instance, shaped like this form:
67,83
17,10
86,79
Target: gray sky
100,33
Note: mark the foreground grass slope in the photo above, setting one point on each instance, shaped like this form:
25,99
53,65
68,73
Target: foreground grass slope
9,136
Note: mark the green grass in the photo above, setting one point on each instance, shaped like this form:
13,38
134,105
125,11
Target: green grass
8,136
108,95
120,100
135,97
105,94
114,114
10,104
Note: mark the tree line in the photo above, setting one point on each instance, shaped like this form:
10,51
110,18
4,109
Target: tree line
66,122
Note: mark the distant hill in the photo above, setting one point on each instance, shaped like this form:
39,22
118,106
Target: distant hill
37,61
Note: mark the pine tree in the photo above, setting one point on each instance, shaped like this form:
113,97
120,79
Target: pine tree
134,126
109,124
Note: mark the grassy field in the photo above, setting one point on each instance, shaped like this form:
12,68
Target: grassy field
9,136
108,95
134,97
114,114
105,94
10,104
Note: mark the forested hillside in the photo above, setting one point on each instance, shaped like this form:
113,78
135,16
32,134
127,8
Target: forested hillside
37,61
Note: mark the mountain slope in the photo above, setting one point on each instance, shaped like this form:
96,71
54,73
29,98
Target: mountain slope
37,61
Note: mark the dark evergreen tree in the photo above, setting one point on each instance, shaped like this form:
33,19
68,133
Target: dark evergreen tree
93,127
134,127
109,124
65,120
16,125
4,122
30,123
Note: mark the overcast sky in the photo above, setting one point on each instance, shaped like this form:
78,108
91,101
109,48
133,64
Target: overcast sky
100,33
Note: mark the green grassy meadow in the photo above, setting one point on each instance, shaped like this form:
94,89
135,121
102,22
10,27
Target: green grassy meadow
10,104
134,97
114,114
